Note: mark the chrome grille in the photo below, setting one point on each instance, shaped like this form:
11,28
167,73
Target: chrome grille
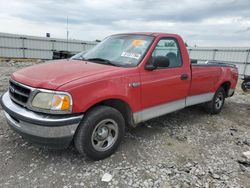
19,93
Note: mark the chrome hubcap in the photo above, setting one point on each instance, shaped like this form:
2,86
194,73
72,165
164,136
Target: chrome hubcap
104,135
219,101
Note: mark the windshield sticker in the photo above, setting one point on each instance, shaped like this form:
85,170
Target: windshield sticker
131,55
137,42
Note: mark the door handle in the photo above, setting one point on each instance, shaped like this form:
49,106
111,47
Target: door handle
184,76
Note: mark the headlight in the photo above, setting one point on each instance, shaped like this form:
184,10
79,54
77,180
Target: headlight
52,101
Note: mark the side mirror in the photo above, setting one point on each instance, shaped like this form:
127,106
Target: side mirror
158,61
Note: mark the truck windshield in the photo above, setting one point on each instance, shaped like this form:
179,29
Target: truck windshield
118,50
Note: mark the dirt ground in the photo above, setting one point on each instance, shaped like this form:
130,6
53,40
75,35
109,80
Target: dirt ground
188,148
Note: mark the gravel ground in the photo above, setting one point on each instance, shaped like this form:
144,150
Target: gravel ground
188,148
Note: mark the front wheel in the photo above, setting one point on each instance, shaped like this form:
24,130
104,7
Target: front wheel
216,105
100,132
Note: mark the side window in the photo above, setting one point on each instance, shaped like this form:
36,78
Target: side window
168,47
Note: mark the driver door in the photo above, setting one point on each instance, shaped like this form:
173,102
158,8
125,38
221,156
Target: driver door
164,90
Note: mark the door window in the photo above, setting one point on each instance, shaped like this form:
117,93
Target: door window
169,48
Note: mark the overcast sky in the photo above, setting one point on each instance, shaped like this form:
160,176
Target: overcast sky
204,23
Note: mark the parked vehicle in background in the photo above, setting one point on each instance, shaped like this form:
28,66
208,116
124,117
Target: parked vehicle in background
246,83
124,80
62,55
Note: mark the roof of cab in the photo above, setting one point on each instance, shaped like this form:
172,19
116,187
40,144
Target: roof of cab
155,34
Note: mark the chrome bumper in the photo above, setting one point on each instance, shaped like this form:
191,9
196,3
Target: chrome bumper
51,130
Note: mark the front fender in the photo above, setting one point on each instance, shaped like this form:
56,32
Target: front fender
87,95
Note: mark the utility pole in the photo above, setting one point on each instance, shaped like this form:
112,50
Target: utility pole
67,33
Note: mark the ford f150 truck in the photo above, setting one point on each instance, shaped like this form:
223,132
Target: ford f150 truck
124,80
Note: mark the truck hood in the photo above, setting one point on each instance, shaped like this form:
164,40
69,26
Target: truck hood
54,74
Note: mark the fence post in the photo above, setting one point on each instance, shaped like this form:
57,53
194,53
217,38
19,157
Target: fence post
23,46
189,50
214,53
53,47
246,62
84,46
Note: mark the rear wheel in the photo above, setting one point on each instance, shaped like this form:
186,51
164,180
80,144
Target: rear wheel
216,105
100,132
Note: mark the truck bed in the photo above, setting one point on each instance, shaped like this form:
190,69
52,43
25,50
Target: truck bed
211,63
206,76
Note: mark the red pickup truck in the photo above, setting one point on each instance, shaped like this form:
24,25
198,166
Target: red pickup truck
124,80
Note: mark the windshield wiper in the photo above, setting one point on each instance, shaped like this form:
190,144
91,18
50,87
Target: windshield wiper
104,61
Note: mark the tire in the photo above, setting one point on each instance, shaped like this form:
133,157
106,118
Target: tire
243,86
100,133
217,103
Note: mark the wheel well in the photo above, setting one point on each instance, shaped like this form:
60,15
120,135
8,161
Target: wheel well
122,107
226,87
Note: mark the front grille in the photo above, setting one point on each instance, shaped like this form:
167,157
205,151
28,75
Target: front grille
19,93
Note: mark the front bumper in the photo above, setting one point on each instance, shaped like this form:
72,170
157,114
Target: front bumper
53,131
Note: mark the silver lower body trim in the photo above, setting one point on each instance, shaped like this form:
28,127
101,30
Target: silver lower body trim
197,99
169,107
159,110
